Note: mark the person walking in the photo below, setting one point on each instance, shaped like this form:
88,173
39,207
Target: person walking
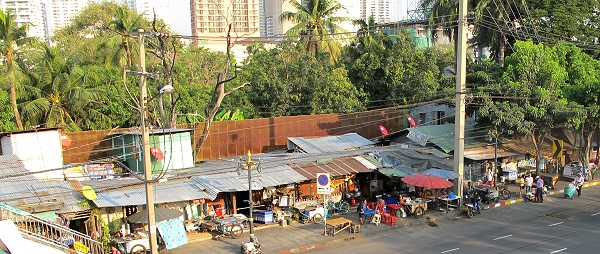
528,183
578,182
539,190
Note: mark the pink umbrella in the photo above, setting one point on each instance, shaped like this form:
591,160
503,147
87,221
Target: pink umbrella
427,181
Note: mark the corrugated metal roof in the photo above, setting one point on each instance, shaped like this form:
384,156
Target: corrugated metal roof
231,181
27,190
369,161
32,191
327,144
11,165
164,192
335,167
441,135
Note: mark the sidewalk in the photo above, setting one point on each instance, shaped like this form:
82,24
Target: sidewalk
299,238
559,188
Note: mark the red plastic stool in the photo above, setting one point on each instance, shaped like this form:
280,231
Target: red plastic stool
392,220
385,218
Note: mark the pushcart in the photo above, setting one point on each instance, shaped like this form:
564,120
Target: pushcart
231,226
416,208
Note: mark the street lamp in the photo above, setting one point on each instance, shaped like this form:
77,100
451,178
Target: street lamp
248,165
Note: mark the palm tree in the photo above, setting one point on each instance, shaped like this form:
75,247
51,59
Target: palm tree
12,36
124,22
490,17
58,92
314,21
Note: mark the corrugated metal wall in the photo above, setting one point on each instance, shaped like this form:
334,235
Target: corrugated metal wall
234,138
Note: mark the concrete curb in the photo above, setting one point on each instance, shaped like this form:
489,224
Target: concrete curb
549,193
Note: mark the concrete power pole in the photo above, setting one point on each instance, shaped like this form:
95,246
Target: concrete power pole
146,147
461,79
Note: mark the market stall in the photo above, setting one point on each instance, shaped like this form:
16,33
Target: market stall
418,206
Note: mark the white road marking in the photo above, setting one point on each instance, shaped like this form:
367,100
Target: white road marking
446,251
551,225
498,238
595,214
558,250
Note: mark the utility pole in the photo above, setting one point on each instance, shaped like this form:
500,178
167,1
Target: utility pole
146,147
461,79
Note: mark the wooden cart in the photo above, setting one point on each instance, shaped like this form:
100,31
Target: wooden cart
415,208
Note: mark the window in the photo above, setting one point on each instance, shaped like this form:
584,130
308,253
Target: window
440,117
422,118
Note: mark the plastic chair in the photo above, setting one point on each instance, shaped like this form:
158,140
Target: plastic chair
376,219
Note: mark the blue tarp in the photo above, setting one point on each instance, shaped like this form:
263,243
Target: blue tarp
173,233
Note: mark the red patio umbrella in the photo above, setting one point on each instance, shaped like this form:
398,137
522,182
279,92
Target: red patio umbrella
427,181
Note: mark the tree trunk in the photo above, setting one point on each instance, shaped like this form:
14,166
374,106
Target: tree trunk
537,137
13,102
501,50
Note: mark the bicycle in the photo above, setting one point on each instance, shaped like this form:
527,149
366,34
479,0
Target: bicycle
504,192
338,207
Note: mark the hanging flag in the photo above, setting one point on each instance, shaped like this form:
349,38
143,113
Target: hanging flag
411,121
383,130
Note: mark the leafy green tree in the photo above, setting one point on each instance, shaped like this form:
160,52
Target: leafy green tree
7,123
315,23
287,80
533,102
392,71
573,21
12,37
583,88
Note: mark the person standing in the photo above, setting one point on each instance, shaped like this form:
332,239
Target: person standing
578,182
539,190
521,182
528,183
362,208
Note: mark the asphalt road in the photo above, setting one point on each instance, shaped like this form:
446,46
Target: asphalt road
558,225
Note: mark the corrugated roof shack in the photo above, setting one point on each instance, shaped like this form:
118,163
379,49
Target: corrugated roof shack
170,149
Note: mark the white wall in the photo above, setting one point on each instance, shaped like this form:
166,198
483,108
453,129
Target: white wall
39,151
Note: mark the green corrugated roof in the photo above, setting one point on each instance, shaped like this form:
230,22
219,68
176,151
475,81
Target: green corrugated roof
440,135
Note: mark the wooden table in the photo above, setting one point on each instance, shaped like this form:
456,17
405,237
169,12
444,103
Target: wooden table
338,224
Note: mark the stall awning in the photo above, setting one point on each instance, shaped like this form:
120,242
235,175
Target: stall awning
165,192
485,153
335,167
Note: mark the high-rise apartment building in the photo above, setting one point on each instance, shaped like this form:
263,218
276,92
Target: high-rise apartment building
211,20
162,9
29,12
62,11
380,9
271,24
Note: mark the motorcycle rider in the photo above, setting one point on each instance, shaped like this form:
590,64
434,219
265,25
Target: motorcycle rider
474,198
